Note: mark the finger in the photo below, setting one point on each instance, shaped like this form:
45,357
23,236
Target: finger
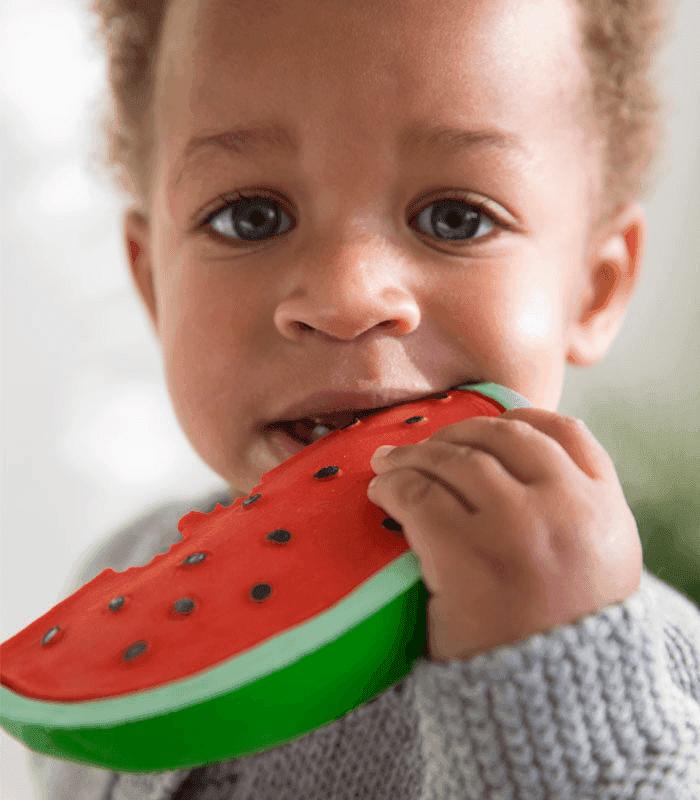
527,453
477,478
574,437
436,525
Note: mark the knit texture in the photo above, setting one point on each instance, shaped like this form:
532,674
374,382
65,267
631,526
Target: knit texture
606,708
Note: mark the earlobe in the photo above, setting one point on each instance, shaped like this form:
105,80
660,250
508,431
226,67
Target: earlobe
610,275
137,239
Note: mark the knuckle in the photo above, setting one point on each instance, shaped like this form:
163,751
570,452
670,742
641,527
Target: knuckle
448,454
518,426
570,423
474,454
411,486
443,453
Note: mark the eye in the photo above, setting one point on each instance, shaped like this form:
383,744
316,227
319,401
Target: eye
257,218
452,219
248,218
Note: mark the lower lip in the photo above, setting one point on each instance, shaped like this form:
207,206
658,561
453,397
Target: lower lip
283,443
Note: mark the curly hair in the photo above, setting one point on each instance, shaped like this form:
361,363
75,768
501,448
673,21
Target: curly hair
618,40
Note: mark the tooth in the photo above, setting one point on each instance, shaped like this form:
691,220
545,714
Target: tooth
318,432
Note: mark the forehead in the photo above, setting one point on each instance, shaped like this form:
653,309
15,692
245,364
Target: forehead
369,66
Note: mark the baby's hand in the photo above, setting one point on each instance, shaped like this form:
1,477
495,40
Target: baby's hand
519,522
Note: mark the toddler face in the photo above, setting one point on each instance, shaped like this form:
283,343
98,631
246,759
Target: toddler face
373,252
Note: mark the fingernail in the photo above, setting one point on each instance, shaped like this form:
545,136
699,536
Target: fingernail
380,452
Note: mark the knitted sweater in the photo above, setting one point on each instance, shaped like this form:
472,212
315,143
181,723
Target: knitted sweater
607,708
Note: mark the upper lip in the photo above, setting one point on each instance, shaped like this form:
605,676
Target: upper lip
329,402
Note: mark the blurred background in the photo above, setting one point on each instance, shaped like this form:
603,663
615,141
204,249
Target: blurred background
89,438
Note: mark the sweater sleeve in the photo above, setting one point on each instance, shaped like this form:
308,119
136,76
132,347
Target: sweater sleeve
606,708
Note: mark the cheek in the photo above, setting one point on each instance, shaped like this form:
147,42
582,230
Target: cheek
536,333
519,310
537,317
513,335
199,343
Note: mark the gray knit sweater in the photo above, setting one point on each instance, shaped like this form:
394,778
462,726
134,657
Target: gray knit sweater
607,708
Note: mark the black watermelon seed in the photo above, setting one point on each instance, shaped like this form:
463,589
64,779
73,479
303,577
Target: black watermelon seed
184,605
440,396
349,424
250,500
260,591
326,472
134,650
116,603
50,634
194,558
392,524
279,535
411,420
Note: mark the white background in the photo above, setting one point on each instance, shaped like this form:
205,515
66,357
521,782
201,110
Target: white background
88,435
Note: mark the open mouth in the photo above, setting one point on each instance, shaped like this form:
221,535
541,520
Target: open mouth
294,435
309,430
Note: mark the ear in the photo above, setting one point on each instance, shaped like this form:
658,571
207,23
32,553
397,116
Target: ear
137,239
612,265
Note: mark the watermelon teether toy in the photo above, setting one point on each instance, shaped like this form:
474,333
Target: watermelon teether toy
271,617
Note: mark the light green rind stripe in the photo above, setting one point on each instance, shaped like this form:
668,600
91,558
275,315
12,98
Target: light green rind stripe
501,394
274,654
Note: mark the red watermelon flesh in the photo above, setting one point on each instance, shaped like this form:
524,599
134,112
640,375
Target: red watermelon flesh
304,540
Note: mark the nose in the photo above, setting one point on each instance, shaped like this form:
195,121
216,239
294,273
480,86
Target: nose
344,292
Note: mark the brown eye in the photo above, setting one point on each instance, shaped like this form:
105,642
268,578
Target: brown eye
256,218
250,219
451,219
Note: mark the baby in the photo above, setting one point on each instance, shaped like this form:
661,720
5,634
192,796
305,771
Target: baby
340,205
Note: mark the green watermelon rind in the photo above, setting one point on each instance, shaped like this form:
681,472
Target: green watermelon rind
271,655
147,730
284,687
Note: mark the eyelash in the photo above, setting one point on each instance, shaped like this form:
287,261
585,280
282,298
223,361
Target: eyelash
226,200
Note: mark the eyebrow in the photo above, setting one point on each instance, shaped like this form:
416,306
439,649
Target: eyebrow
272,136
